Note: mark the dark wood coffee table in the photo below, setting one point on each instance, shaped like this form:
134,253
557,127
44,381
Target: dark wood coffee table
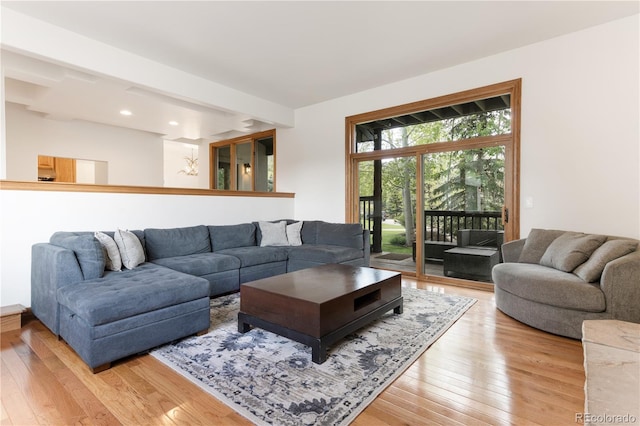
319,306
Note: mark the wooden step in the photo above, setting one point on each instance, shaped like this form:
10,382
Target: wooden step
11,317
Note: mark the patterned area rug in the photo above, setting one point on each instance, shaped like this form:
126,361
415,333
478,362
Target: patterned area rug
271,380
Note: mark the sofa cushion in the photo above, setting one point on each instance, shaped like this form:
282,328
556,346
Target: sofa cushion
341,234
592,269
130,248
111,252
231,236
124,294
548,286
273,234
571,249
536,244
200,264
87,249
309,231
250,256
324,253
174,242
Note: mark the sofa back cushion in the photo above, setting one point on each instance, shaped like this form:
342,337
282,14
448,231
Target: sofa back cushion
87,249
172,242
232,236
309,232
340,234
570,250
537,243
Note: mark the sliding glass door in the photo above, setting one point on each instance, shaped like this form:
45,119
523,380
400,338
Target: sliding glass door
463,199
387,203
436,183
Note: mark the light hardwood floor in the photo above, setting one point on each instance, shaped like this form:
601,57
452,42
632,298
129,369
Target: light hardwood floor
486,369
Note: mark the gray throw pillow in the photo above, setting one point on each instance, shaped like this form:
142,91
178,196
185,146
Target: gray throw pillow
273,234
130,248
536,244
112,254
293,234
592,269
571,249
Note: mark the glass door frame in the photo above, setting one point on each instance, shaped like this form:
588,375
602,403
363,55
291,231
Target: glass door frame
511,142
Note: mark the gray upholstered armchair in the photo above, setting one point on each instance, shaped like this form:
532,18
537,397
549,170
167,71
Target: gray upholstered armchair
553,280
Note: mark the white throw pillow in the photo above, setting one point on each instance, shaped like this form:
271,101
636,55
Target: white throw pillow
293,233
273,234
111,252
131,250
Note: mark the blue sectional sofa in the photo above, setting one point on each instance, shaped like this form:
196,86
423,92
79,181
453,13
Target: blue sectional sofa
105,315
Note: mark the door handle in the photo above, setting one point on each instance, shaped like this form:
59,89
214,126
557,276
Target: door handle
505,215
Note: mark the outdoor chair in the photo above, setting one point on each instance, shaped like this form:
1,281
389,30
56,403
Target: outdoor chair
477,252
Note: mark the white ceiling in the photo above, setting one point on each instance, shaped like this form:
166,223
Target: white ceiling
297,53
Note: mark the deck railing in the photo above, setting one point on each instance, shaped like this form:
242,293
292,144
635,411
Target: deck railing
440,225
443,225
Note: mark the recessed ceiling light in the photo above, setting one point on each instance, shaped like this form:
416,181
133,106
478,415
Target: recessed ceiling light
126,112
173,123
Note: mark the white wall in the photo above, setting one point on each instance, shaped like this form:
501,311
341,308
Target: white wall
29,217
174,162
580,131
133,157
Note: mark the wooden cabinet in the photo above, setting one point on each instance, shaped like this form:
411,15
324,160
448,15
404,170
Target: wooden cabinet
45,162
56,169
65,169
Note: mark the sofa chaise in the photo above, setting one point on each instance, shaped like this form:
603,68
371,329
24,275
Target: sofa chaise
162,291
553,280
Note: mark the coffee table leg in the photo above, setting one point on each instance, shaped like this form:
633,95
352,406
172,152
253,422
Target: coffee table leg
398,309
318,352
243,327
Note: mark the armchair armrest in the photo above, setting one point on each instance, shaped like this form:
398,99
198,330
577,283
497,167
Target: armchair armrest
621,287
511,250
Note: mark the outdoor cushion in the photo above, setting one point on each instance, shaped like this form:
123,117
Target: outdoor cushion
571,249
231,236
200,264
250,256
323,253
87,249
174,242
552,287
132,292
